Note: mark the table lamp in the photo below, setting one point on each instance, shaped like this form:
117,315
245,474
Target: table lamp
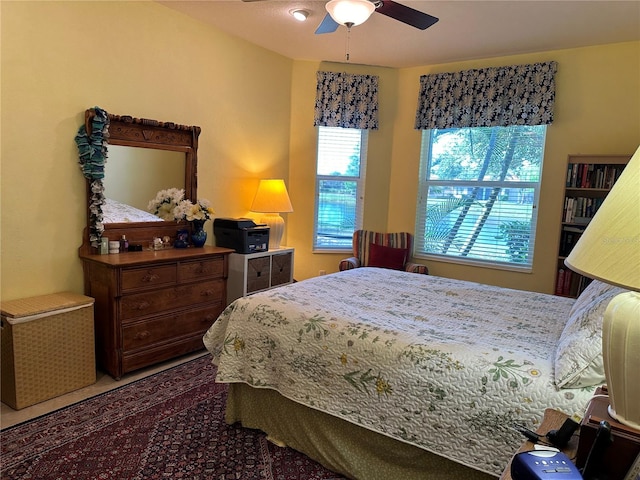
609,250
272,199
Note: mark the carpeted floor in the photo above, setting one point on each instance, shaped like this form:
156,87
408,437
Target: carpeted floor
166,426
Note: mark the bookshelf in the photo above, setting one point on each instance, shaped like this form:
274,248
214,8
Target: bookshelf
589,179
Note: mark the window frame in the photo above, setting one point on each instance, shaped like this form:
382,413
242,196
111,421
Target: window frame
360,191
424,182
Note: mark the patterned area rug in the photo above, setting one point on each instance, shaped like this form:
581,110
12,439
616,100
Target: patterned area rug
168,425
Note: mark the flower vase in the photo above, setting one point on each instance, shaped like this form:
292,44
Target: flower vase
198,235
182,239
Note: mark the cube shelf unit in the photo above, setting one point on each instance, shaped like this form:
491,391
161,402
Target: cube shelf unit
256,272
589,180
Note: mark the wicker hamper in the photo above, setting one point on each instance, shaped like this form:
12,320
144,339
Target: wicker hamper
47,347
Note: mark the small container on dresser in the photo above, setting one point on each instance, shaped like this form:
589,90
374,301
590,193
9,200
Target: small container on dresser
104,246
124,244
114,246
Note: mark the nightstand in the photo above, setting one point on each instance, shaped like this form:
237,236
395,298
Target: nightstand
553,420
256,272
619,457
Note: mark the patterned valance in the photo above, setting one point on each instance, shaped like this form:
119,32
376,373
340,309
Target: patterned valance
488,97
347,101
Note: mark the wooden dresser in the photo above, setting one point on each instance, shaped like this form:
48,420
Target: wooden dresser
151,306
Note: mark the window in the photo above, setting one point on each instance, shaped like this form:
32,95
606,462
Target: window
339,186
478,193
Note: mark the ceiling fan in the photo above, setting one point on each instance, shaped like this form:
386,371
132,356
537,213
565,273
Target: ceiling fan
340,13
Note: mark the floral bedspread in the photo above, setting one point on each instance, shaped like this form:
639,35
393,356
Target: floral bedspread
443,364
118,212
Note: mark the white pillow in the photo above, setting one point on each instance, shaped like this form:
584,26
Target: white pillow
578,361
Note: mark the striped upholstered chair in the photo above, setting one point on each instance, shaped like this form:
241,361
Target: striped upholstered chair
387,250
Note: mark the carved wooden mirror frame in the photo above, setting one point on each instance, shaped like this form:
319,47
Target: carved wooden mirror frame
145,133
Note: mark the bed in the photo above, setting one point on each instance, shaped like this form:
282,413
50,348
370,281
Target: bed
384,374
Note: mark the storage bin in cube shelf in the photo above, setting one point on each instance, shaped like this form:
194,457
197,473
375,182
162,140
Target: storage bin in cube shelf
48,347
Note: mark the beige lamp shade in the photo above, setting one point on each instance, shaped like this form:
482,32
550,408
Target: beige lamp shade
609,250
272,199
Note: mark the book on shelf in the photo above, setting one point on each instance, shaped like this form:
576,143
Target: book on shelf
580,209
592,175
560,282
580,284
587,170
568,239
570,283
566,282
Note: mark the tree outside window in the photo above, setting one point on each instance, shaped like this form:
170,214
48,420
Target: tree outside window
478,193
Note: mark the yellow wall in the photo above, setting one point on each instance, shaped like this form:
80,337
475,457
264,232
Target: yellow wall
596,111
134,58
256,113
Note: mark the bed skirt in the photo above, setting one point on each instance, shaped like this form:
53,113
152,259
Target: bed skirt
340,446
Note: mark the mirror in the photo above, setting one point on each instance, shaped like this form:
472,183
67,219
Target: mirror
144,156
133,175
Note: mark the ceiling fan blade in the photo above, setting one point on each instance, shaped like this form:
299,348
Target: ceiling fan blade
407,15
328,25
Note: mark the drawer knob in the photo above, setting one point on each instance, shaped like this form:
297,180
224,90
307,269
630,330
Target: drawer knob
150,277
208,293
142,305
142,335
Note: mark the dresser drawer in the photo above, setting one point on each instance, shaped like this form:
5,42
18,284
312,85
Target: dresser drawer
169,327
170,299
136,359
197,269
137,278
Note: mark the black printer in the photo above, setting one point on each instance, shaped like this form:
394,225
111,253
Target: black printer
241,234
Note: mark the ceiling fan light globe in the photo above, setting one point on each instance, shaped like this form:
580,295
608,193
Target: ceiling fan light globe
350,12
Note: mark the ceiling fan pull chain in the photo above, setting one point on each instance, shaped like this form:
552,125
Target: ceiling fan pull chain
347,42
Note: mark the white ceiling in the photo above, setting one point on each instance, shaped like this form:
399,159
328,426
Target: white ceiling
467,29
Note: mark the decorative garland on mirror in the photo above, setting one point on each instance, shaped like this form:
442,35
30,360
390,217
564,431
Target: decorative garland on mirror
92,149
